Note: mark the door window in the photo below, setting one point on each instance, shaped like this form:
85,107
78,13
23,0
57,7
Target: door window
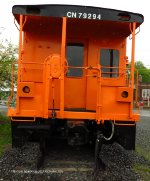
75,58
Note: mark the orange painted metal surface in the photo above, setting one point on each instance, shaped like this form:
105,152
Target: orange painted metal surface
63,58
43,67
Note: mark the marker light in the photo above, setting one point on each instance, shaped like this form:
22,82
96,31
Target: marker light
26,89
124,94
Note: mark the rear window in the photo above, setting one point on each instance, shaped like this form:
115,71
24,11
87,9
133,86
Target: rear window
109,60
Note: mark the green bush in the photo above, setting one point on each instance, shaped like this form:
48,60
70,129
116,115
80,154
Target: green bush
5,133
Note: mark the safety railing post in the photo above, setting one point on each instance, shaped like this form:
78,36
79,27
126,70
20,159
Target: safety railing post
98,106
132,62
19,59
63,57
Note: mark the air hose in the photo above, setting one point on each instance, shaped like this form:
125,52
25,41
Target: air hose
112,133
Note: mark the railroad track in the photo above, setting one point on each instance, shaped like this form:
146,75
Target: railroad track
61,156
70,166
65,163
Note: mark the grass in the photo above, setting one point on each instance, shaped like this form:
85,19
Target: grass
3,117
145,152
143,169
5,133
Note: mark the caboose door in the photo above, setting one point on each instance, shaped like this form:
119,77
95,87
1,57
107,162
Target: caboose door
75,79
91,85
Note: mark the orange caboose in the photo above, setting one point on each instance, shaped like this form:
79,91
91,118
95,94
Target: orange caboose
72,73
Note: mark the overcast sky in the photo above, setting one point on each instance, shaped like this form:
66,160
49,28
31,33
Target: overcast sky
9,31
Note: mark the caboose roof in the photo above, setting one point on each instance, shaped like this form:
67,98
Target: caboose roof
65,10
122,18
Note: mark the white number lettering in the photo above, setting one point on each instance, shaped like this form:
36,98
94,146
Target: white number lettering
80,14
89,16
84,15
99,16
94,16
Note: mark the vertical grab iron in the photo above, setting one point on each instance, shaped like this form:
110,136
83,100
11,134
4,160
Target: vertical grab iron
132,29
19,59
63,56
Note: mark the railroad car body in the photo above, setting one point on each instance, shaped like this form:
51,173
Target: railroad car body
72,73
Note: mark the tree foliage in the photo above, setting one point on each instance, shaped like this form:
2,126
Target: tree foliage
143,71
8,55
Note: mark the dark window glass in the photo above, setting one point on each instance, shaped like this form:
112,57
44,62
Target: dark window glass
75,58
109,58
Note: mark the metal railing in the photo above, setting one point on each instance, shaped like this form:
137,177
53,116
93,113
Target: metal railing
121,72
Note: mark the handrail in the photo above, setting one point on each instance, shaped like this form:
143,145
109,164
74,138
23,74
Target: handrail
137,77
62,61
16,24
98,109
12,85
32,63
86,68
110,67
137,90
111,73
91,68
